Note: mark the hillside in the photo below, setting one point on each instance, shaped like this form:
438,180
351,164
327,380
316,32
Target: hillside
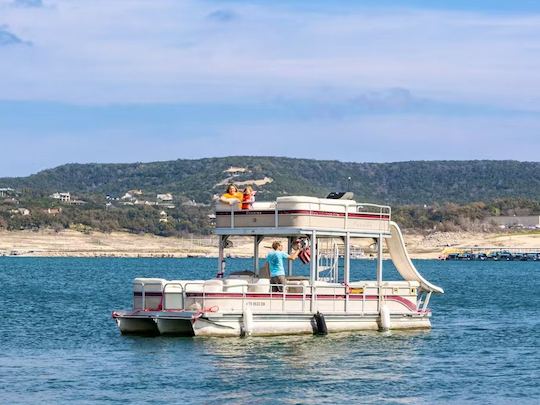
415,182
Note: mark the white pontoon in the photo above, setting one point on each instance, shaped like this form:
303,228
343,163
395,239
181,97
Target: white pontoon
245,303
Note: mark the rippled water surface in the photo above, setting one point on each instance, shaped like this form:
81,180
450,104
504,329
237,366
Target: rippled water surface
60,345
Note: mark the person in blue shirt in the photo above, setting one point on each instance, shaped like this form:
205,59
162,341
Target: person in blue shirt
275,265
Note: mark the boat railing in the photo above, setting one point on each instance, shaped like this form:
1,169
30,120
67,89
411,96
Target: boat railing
277,300
380,211
143,286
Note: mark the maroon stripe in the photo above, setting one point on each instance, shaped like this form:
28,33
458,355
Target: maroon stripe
147,294
403,301
278,296
246,212
309,212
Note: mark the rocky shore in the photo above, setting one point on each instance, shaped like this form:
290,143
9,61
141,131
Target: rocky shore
69,243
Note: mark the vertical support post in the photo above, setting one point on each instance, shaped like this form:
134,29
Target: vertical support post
313,269
347,267
221,257
256,254
314,256
289,262
379,268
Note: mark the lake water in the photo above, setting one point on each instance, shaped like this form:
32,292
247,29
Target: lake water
60,345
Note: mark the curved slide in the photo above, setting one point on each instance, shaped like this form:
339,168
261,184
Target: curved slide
402,261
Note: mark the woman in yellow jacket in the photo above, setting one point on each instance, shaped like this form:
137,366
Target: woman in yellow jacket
231,196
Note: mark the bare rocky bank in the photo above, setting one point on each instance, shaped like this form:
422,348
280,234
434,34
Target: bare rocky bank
69,243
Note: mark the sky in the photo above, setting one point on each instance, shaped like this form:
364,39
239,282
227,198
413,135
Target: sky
364,81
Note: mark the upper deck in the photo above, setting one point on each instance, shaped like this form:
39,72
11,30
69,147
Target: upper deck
300,215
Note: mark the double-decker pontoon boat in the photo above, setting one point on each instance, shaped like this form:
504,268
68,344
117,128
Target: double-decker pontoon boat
245,303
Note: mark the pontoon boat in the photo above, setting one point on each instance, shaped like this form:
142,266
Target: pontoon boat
245,303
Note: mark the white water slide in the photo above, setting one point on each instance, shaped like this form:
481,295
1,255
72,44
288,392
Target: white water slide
402,261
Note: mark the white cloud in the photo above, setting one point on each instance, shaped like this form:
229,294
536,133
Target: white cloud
100,51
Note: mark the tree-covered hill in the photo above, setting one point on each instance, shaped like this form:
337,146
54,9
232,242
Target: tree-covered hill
415,182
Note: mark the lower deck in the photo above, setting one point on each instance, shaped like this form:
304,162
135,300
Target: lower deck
237,307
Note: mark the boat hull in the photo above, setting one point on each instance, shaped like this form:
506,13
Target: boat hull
136,324
175,326
291,324
212,324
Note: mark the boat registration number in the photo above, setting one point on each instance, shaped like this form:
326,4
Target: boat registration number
256,303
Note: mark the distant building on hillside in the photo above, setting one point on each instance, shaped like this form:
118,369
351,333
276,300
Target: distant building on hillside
53,211
131,194
193,203
21,211
63,197
6,191
165,197
235,171
529,221
163,217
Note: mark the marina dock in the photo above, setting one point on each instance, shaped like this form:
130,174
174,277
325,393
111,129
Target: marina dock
492,253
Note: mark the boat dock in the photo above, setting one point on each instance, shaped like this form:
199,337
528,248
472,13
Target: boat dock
492,253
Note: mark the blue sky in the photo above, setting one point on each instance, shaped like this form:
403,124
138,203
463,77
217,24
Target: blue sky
378,81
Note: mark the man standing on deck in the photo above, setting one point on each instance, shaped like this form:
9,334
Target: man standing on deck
275,265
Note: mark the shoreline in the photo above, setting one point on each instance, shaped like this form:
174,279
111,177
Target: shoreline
70,243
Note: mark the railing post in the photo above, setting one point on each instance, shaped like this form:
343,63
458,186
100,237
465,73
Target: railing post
143,297
303,298
163,298
364,299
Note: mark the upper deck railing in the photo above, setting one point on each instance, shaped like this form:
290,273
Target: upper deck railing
306,212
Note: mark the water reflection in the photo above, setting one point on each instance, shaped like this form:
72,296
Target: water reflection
317,365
